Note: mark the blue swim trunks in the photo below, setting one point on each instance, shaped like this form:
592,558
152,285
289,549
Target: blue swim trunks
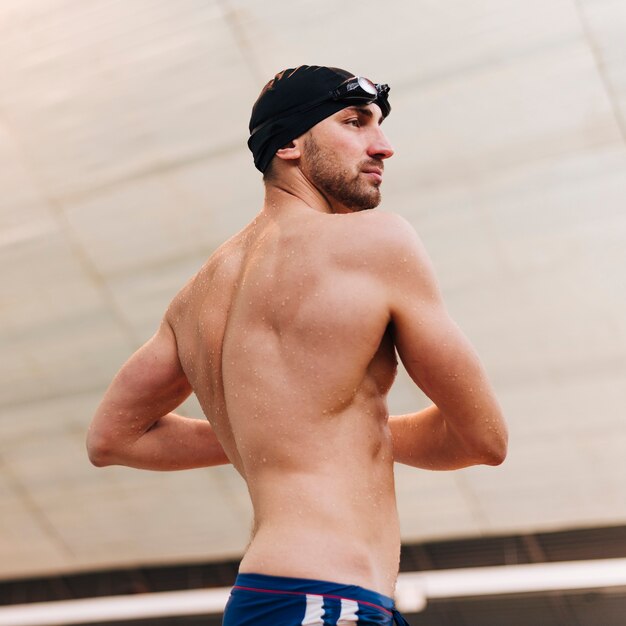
261,600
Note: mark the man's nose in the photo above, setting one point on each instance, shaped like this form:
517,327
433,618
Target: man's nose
380,147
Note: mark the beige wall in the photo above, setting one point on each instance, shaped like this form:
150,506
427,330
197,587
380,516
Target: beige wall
123,165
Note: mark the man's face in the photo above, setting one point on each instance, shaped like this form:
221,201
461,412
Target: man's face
343,157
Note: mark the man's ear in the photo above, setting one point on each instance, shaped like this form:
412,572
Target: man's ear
290,152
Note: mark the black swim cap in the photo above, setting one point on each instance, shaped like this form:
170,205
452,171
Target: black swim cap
292,102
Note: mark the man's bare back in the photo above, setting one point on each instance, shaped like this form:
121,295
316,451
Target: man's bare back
284,338
288,336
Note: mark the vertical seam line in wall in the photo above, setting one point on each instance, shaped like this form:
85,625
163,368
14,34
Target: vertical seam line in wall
472,501
56,209
98,280
601,68
36,511
243,43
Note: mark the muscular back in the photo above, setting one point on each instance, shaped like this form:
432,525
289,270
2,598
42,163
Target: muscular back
284,336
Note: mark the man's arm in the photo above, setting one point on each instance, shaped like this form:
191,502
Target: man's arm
465,425
133,425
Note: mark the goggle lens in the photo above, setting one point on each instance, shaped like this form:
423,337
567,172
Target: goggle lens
367,85
362,89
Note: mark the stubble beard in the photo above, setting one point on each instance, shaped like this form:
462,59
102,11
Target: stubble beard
336,182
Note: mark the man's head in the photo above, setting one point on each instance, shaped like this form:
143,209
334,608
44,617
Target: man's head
328,121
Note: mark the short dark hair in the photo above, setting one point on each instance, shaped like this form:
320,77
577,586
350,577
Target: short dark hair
269,175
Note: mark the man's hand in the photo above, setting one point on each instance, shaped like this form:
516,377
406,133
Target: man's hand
134,425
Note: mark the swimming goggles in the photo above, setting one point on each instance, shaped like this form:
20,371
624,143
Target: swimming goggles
363,90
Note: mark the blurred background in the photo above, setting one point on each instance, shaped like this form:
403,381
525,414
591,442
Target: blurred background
123,165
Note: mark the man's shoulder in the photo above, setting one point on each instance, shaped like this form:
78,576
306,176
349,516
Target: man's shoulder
391,252
385,228
382,237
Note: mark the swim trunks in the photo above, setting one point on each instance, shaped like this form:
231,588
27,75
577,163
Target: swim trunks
261,600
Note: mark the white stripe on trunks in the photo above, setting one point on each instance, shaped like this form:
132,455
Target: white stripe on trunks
348,613
314,611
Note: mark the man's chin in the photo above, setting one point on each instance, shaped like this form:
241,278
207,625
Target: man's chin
367,203
358,197
374,198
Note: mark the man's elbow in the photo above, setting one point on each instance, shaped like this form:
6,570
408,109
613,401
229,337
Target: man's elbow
99,450
494,453
488,449
495,457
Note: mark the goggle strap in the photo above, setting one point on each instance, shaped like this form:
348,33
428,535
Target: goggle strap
335,94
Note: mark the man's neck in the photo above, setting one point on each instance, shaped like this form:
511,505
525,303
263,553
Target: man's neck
299,193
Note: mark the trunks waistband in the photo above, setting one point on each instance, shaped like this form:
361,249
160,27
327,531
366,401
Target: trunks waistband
264,583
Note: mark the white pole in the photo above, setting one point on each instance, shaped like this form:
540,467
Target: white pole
509,579
116,608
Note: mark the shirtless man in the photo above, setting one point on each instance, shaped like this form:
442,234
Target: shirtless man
288,337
